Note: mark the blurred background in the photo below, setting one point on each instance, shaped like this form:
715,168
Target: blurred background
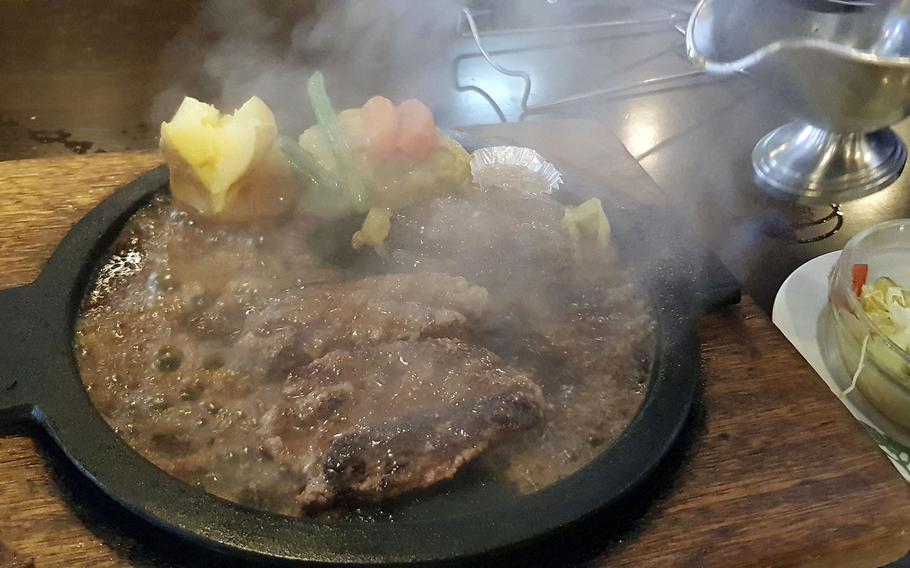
100,76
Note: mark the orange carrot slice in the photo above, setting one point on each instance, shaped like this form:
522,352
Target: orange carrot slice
860,275
417,136
380,126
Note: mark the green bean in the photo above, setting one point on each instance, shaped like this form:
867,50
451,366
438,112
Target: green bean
322,195
304,165
330,127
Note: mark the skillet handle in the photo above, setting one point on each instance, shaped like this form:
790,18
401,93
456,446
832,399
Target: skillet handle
21,353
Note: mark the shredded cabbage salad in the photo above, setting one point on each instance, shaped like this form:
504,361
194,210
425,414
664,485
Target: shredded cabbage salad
888,306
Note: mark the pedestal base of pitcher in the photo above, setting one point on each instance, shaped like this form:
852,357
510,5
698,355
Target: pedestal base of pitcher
805,163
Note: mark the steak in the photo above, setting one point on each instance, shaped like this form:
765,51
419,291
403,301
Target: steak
386,419
305,324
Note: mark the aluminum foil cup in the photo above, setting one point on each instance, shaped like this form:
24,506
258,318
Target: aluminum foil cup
514,168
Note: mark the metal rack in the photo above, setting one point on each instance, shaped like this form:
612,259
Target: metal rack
673,18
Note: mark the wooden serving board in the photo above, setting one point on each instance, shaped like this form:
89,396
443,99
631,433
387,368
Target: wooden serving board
772,471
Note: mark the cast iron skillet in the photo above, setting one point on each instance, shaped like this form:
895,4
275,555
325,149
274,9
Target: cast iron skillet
39,380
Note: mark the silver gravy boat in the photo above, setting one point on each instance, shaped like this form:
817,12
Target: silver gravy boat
840,67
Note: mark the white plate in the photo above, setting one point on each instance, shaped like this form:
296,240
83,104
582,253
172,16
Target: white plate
800,312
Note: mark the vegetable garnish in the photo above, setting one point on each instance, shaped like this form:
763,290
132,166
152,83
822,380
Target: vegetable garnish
330,127
588,228
323,196
374,231
304,164
860,275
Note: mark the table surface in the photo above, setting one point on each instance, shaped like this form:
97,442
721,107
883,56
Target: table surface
771,470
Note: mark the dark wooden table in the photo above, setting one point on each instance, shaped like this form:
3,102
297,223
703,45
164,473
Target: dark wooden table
771,471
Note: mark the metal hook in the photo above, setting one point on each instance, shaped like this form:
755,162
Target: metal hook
836,213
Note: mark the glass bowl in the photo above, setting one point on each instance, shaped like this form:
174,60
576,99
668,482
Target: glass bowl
884,379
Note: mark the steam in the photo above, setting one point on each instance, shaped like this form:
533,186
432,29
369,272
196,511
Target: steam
233,50
236,49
